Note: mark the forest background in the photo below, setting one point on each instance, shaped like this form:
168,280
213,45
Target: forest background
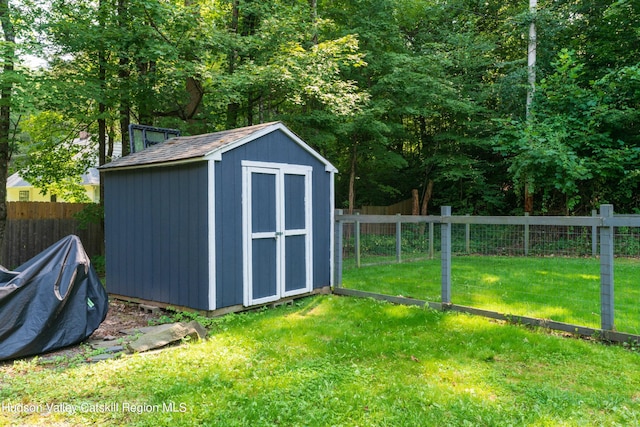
400,95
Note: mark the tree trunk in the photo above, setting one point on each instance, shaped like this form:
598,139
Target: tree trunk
147,80
102,135
233,107
125,106
249,109
196,92
102,108
102,122
528,199
313,5
5,110
123,75
415,208
193,85
426,197
111,137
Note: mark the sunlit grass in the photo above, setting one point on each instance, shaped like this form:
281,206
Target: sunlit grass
556,288
345,361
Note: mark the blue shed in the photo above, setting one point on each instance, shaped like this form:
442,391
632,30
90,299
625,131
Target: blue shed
229,220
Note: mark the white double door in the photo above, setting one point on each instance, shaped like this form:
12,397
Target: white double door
277,231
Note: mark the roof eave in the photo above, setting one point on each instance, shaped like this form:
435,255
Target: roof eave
152,165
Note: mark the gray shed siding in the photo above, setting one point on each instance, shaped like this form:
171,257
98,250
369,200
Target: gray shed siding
274,147
156,228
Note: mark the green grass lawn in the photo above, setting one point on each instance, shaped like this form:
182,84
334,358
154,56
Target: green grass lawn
340,361
560,289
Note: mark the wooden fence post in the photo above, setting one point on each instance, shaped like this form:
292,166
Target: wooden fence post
338,236
606,269
398,238
526,236
467,237
357,241
445,237
431,237
594,236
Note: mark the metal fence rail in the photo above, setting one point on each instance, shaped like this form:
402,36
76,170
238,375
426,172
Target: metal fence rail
568,265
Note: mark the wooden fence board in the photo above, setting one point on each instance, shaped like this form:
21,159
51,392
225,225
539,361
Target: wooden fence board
34,226
404,207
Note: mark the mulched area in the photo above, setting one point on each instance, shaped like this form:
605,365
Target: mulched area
121,316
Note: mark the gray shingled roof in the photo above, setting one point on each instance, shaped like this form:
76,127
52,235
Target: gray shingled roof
90,177
187,147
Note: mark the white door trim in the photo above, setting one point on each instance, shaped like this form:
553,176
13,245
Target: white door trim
280,234
305,171
249,235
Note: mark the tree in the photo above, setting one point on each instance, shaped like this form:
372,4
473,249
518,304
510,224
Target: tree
566,150
431,74
584,130
400,95
6,89
54,160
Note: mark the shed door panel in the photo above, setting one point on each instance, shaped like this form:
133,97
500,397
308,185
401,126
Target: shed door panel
264,271
264,248
297,234
295,267
294,201
277,236
263,210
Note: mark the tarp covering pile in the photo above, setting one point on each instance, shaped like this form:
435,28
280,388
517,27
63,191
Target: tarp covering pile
52,301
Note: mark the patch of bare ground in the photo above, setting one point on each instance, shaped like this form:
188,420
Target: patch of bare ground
122,316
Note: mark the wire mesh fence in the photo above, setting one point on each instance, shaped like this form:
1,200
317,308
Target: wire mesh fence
627,279
386,243
544,271
627,242
557,279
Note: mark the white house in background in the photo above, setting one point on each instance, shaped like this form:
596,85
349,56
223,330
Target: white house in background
20,190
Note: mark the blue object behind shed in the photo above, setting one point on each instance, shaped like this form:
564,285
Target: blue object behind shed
235,218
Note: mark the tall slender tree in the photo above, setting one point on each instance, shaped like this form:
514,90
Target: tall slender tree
6,89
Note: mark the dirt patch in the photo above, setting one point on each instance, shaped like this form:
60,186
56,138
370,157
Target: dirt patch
121,316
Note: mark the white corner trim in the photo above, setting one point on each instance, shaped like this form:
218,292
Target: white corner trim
246,237
211,195
332,216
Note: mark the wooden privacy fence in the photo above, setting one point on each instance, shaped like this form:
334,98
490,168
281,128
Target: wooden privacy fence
404,207
34,226
600,239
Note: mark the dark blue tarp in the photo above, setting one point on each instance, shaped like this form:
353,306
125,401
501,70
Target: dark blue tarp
52,301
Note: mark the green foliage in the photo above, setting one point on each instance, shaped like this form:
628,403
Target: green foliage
188,316
92,213
53,161
566,150
396,94
98,263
